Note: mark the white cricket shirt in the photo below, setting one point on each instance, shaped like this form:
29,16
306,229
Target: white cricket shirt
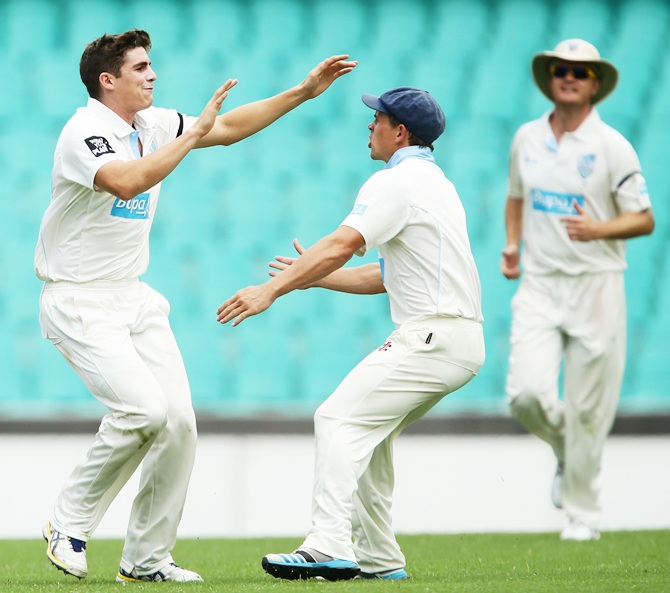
86,233
413,215
594,166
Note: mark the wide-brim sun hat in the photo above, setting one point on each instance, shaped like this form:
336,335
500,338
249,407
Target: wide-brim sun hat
575,50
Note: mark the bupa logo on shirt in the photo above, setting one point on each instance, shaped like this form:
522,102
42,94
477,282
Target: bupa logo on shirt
136,208
555,203
99,145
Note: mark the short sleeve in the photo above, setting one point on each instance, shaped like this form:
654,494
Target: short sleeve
380,212
629,186
83,153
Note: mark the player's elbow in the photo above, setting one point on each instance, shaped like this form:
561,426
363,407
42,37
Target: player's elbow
649,223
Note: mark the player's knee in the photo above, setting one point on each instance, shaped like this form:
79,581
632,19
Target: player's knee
324,419
151,420
182,423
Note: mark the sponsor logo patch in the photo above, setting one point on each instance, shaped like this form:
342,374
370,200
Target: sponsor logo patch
136,208
359,209
555,203
99,145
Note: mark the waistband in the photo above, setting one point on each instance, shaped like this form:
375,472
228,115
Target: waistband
443,320
93,285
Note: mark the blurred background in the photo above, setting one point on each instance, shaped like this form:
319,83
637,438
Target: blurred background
227,211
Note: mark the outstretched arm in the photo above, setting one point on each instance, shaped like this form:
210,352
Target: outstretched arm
365,279
248,119
323,258
126,179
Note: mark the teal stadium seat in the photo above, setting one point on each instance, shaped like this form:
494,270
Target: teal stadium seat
454,45
592,20
502,86
167,21
30,25
85,21
637,62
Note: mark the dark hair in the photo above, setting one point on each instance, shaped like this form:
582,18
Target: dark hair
411,138
106,54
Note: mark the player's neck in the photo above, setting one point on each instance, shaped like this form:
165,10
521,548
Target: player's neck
567,118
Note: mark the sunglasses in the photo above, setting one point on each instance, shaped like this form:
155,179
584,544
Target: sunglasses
579,72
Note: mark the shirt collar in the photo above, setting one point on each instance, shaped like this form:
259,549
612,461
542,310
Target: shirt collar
410,152
143,119
580,133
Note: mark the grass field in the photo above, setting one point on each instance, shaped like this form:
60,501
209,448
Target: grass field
621,562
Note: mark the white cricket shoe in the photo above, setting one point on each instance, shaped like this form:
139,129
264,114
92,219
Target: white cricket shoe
66,553
557,487
171,572
580,532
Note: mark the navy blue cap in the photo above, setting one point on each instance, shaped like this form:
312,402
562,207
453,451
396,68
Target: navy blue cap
416,109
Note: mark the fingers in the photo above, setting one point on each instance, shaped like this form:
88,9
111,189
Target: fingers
298,247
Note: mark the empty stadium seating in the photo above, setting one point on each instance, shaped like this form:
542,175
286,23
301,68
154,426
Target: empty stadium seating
227,211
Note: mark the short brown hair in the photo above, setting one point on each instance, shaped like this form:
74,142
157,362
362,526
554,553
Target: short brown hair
411,138
106,54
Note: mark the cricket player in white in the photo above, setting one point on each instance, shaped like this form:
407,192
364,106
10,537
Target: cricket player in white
576,192
413,215
112,328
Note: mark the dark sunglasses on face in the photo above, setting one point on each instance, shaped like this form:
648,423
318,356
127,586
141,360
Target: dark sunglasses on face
578,72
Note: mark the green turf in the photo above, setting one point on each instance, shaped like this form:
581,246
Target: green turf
621,562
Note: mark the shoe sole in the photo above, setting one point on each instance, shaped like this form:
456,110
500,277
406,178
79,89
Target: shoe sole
46,534
296,572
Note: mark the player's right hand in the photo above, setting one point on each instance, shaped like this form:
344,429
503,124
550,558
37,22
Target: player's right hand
509,264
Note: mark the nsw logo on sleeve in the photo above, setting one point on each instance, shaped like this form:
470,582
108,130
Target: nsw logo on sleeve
136,208
554,202
99,145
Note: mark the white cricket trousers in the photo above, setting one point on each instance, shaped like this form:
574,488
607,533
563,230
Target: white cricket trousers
580,320
117,338
420,363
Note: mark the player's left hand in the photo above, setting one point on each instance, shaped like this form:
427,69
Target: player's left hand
245,303
580,227
282,261
323,75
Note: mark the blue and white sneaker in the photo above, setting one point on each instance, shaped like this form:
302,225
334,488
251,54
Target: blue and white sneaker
395,574
302,565
66,553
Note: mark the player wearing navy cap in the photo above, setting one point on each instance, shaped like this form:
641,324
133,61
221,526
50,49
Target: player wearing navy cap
112,328
412,214
576,192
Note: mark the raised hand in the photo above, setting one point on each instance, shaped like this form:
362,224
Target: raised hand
208,116
323,75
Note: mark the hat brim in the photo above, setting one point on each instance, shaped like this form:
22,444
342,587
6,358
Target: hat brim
374,103
609,75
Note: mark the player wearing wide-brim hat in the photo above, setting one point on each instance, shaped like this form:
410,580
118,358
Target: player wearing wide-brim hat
576,194
581,52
